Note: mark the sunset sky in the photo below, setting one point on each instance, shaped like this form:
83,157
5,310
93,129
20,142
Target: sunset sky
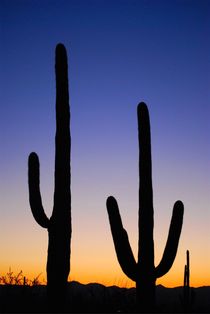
119,53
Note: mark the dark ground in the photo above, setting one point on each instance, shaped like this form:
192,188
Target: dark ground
96,298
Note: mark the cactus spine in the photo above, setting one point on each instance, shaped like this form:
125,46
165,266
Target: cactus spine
59,225
143,272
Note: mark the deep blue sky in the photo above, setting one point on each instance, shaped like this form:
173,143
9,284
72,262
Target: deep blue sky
120,53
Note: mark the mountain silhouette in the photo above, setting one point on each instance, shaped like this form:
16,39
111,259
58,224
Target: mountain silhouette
97,298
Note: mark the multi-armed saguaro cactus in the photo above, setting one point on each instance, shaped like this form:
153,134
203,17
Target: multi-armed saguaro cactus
59,225
143,272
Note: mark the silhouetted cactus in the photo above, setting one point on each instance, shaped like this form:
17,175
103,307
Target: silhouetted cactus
187,270
186,288
143,272
188,293
59,225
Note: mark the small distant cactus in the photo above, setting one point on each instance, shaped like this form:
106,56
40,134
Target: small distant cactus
188,293
143,272
187,271
59,225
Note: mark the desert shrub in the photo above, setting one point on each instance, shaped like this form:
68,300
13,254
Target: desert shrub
10,278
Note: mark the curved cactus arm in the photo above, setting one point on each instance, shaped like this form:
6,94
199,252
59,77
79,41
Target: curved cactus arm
172,241
121,241
34,191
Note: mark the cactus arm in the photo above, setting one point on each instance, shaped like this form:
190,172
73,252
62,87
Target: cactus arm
120,239
172,241
34,191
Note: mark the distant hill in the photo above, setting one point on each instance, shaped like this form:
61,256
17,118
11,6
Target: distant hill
97,298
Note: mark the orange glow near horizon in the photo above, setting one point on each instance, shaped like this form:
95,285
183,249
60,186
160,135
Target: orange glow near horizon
111,276
93,258
119,280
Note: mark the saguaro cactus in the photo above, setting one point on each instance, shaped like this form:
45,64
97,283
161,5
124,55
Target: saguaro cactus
59,225
143,272
186,288
187,270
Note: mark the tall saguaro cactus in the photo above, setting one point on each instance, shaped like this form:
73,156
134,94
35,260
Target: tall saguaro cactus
143,272
59,224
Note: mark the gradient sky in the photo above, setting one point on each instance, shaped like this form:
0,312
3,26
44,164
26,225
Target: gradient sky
119,53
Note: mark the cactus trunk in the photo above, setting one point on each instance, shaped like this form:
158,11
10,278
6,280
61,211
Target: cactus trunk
143,272
145,283
59,225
